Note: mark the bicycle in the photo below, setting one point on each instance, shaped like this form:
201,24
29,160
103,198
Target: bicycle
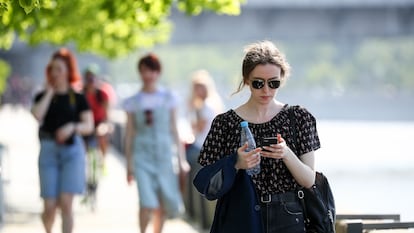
93,172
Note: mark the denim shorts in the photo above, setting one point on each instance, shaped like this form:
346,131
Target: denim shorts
284,215
61,168
155,187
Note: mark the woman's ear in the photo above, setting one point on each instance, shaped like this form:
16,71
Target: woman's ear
245,82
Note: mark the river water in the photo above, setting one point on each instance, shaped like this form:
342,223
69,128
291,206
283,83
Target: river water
370,166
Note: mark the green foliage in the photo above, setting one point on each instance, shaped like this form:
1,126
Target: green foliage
106,27
221,6
29,5
4,73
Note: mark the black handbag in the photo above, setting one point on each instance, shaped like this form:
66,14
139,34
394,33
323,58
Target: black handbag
318,206
317,202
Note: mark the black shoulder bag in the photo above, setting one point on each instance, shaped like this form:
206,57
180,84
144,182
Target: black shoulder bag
318,201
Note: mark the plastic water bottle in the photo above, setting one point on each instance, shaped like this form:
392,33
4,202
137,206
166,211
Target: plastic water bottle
247,136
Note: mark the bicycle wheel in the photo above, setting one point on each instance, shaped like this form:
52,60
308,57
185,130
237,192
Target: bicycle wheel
93,174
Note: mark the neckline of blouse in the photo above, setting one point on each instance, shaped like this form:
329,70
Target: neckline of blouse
262,123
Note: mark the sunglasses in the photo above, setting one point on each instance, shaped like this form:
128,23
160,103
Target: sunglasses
260,83
148,117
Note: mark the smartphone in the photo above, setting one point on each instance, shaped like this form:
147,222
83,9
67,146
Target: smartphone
269,141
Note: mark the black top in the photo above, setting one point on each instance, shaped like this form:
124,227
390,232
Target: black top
224,139
63,108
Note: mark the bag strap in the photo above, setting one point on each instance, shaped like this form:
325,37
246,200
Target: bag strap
293,125
300,193
72,98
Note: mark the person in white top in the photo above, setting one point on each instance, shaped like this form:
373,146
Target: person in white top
151,136
204,104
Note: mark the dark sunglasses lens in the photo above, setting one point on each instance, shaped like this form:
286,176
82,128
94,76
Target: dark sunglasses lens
274,84
257,84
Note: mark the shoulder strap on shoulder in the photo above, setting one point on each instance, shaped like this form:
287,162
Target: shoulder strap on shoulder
293,124
72,98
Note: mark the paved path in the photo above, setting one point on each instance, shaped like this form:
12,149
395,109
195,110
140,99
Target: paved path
117,202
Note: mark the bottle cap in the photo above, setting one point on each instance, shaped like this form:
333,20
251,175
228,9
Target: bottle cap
244,124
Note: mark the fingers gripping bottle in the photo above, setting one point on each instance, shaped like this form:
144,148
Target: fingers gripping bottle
247,136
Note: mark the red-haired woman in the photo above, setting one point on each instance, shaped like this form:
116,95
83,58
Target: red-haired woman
63,115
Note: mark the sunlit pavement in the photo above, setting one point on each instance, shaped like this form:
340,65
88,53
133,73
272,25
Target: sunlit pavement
117,202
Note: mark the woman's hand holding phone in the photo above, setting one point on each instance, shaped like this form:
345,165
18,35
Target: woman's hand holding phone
274,147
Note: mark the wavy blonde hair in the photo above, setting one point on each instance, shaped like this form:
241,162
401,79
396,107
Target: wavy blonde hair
203,77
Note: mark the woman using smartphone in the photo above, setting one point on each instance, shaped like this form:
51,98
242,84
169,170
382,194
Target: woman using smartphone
265,202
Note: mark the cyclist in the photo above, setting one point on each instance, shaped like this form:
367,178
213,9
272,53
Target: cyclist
99,102
97,142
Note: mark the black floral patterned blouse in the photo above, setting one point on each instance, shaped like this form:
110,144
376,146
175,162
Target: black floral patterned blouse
224,139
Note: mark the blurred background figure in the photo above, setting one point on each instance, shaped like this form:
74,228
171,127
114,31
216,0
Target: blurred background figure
151,134
64,116
99,102
18,91
204,104
98,141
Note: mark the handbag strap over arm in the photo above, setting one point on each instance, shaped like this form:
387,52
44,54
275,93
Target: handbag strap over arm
294,134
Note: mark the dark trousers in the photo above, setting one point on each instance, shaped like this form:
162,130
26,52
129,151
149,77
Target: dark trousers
195,201
282,213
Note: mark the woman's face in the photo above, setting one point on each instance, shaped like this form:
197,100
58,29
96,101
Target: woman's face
59,72
149,77
90,80
261,80
200,91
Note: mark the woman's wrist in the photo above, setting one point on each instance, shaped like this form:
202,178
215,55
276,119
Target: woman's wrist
288,154
49,94
129,165
50,91
130,170
237,165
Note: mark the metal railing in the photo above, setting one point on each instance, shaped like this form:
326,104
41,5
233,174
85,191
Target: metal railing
358,223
